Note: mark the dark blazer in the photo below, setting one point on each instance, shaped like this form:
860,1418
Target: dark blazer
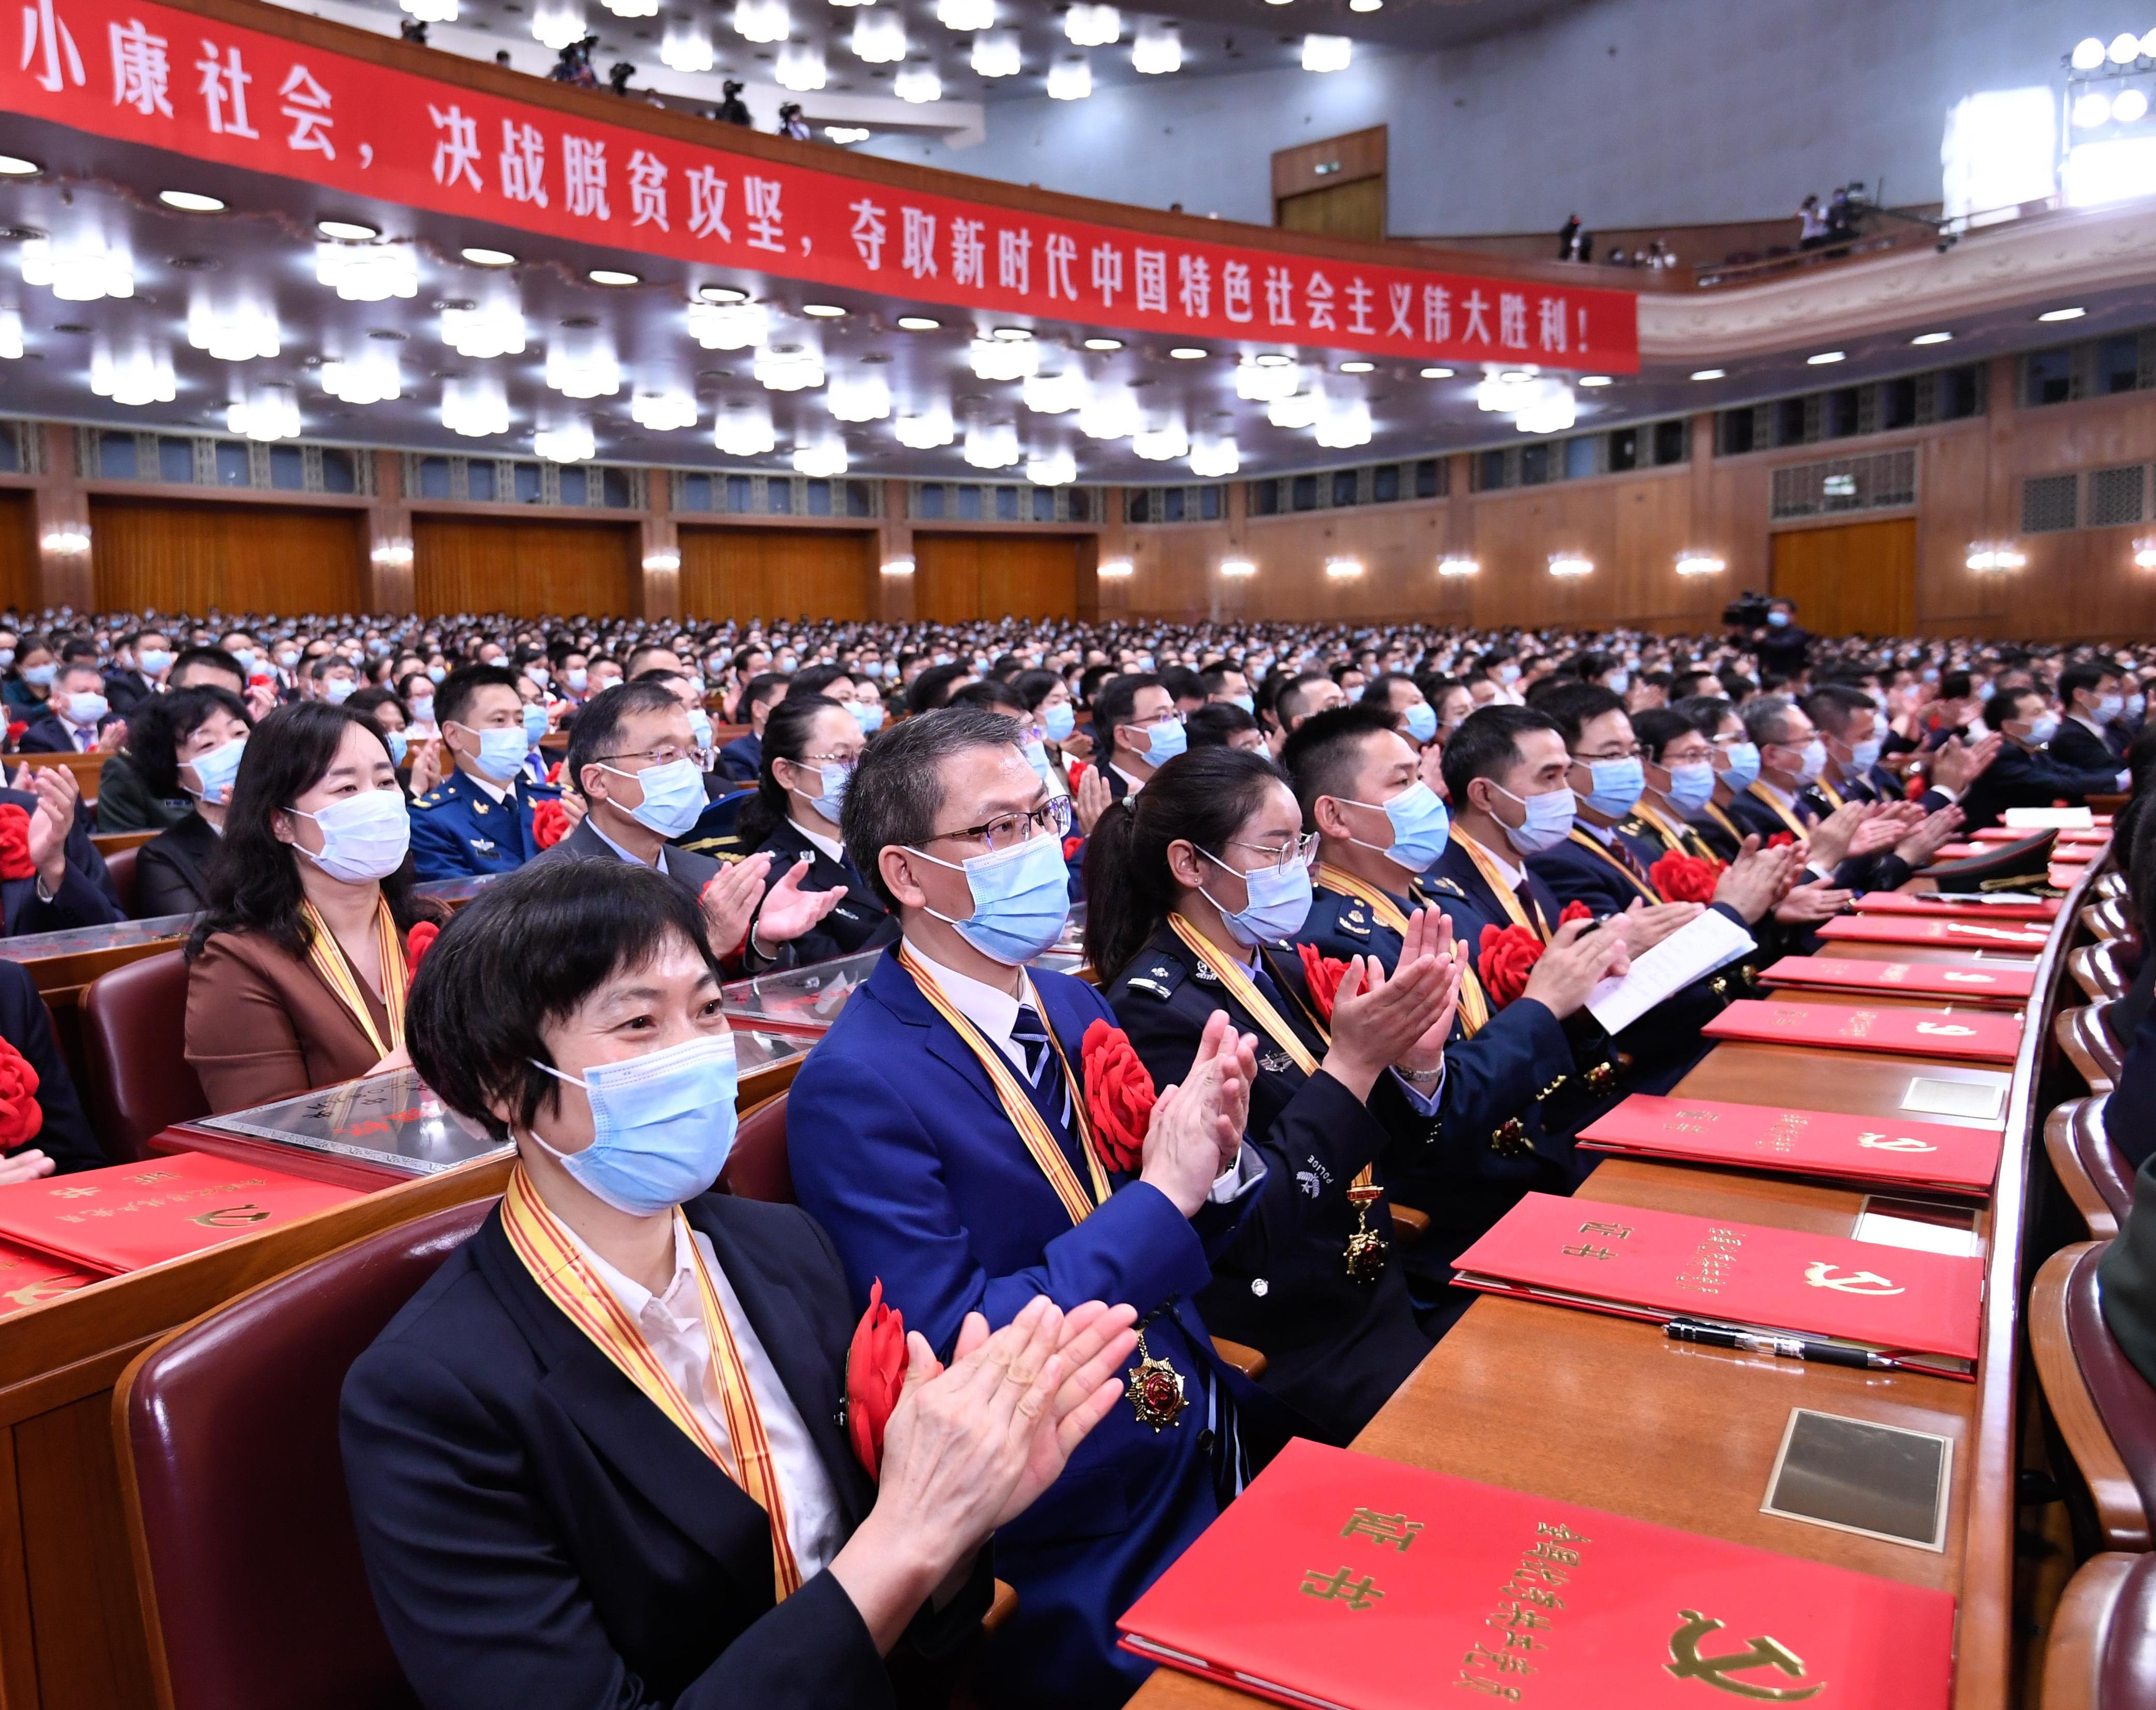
2031,777
1335,1348
691,871
2129,1114
860,922
743,757
64,1135
901,1150
51,734
2126,1277
540,1537
171,870
262,1026
124,801
86,897
1755,815
458,829
2081,748
128,690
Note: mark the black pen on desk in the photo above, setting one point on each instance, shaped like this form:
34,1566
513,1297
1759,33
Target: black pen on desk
1830,1353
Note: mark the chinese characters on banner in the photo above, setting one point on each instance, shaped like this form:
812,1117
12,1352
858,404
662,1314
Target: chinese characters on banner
169,78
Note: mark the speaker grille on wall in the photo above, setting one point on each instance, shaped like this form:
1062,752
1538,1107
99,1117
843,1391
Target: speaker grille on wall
1879,480
2049,503
2116,496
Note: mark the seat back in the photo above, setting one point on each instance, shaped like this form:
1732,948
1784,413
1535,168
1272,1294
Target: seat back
120,863
756,1168
246,1553
2096,1177
2098,1401
2095,969
2102,1652
2088,1044
134,1032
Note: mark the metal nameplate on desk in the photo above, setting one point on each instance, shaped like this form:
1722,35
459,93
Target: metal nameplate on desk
1980,1101
456,890
78,941
392,1120
798,997
1854,1474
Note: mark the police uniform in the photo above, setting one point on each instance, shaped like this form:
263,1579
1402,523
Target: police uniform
1336,1346
859,922
1655,834
459,829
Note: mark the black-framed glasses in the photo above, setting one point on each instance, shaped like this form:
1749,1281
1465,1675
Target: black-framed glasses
1006,829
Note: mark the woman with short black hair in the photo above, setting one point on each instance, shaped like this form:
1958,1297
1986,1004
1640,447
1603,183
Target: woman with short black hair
186,744
603,1456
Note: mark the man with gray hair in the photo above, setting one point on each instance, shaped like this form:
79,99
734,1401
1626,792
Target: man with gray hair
1845,842
940,1135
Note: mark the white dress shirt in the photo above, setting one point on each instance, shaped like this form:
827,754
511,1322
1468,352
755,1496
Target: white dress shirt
673,1323
821,841
1136,783
592,820
994,1012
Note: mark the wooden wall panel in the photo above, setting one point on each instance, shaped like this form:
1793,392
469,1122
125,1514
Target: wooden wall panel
177,557
778,573
1851,578
958,578
18,550
536,567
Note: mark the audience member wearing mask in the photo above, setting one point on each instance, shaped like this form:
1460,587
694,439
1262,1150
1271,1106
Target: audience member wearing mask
188,744
28,685
141,661
78,718
479,818
297,969
2026,774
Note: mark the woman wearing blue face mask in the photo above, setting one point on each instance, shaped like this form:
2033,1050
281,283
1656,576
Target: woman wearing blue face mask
811,745
296,976
28,687
654,1370
187,745
1193,888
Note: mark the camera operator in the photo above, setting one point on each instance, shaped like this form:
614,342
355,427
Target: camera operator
1781,645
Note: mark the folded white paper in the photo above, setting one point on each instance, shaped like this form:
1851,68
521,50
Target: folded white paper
1691,952
2047,819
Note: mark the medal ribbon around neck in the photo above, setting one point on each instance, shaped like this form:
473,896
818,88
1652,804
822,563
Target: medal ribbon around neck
1801,830
327,959
1040,1141
1487,867
1474,1006
1631,878
566,1278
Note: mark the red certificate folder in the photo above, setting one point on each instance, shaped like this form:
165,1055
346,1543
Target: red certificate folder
1965,1035
1948,905
1881,1150
134,1214
1338,1581
1991,981
29,1278
1919,1309
2026,936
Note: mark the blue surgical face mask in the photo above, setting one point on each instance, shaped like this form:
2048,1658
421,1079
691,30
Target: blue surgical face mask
1059,719
1865,755
1549,822
1691,787
399,744
336,690
1036,757
1743,765
2043,728
1165,741
1279,902
700,726
868,714
215,770
6,657
578,676
501,751
1249,703
1422,826
364,836
423,709
2136,704
1617,784
662,1125
1617,682
2109,707
833,779
41,676
673,796
535,724
436,673
289,657
1812,760
1021,899
154,659
1422,721
1354,694
1778,619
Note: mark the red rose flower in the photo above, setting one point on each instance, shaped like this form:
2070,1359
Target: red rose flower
15,862
1077,770
1119,1096
1072,843
1683,878
550,824
1322,974
1574,911
20,1118
418,942
554,772
875,1372
15,729
1781,840
1508,956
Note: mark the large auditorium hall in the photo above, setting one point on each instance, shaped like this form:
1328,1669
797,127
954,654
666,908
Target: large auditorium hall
906,854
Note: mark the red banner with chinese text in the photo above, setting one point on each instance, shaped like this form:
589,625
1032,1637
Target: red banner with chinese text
151,75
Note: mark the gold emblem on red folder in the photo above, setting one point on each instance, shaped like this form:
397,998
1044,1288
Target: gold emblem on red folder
1818,1275
1687,1663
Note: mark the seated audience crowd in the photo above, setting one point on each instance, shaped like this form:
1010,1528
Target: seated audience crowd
1347,892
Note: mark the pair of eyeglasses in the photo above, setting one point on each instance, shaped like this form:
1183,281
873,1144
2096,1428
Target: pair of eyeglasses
1296,852
665,755
1171,716
1007,829
847,761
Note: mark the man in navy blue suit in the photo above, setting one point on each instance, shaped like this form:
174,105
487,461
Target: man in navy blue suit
939,1134
2027,773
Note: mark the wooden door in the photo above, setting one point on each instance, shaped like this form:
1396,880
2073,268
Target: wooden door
173,556
1355,210
536,567
18,553
778,573
958,578
1858,578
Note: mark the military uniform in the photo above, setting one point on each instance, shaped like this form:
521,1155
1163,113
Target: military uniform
459,829
1336,1348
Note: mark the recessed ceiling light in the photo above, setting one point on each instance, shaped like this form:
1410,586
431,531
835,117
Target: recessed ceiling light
1439,373
722,293
13,166
1273,359
823,312
350,230
2062,314
489,258
1014,335
1357,367
1708,373
1192,353
1824,357
190,201
1104,344
612,276
917,323
1584,379
1932,338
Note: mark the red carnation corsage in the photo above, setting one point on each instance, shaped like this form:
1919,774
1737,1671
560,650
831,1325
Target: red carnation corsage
1683,878
1322,974
875,1373
1119,1096
15,862
1508,955
550,824
416,943
20,1116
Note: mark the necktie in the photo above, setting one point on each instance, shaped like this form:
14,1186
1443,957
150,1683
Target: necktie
1030,1036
